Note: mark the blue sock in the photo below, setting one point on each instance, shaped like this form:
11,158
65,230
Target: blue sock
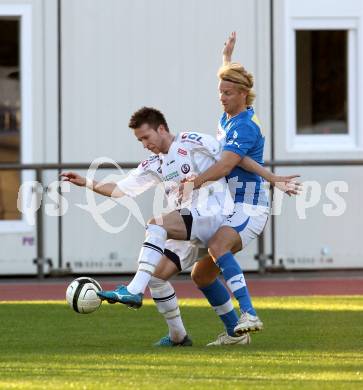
235,280
219,298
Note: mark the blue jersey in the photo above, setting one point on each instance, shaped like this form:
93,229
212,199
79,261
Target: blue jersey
242,135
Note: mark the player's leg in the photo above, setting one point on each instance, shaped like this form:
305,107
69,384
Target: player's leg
173,226
205,276
220,249
237,232
202,228
166,301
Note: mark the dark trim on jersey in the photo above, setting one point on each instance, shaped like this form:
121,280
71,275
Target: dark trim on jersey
152,246
188,221
173,257
164,299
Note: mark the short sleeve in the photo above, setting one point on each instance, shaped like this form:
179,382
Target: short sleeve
211,145
240,139
139,180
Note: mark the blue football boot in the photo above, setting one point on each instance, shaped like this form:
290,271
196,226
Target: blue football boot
121,295
168,342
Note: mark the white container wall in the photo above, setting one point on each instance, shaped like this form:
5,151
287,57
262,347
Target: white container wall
118,56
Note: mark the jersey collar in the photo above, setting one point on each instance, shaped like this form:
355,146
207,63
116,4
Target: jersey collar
241,115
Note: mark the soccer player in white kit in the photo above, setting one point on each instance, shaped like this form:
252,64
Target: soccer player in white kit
174,159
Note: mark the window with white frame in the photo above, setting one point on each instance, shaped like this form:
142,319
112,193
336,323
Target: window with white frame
10,119
323,85
15,109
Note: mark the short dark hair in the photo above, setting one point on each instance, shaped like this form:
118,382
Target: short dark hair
149,115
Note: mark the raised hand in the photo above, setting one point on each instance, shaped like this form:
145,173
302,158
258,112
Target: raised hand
228,48
73,178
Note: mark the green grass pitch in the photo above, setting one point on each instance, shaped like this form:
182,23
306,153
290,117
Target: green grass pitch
308,343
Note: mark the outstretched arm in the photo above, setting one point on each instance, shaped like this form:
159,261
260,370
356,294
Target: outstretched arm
287,184
106,189
229,160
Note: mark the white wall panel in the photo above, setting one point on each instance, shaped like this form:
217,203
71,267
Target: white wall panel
309,237
119,57
88,246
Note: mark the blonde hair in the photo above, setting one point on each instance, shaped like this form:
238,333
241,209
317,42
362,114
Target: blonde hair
237,74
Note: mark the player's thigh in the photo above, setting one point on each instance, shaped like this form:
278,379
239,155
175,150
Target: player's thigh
204,272
165,269
174,224
226,239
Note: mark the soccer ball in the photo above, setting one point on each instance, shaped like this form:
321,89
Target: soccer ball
81,295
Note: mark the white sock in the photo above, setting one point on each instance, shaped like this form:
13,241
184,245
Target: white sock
150,255
164,296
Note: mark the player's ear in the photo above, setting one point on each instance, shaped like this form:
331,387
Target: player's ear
160,129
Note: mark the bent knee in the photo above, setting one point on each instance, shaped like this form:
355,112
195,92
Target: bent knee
200,279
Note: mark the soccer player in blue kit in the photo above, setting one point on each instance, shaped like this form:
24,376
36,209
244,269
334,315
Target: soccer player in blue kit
240,134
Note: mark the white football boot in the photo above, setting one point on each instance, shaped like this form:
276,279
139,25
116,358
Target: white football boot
225,339
248,323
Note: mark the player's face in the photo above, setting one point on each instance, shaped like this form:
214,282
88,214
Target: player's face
150,138
232,99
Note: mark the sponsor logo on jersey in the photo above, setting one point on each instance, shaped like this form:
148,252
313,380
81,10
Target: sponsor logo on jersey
159,170
171,176
185,168
145,163
233,142
193,138
170,162
182,152
235,134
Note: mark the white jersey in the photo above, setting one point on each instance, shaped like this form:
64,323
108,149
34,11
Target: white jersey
190,153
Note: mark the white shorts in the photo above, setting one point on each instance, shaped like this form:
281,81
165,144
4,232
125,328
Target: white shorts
201,223
248,221
187,253
204,227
